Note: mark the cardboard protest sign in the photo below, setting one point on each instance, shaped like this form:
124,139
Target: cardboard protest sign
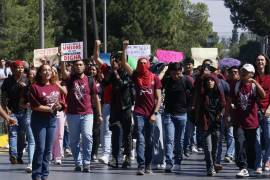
50,55
200,54
72,51
166,56
137,51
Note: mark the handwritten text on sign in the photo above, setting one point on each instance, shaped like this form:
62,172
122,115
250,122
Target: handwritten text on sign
169,56
72,51
137,51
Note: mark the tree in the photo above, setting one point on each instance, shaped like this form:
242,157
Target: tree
252,14
249,51
20,30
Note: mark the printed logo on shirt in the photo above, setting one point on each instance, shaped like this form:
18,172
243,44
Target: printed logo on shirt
79,90
52,97
244,100
146,91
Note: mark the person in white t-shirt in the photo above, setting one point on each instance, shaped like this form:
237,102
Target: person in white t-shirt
4,71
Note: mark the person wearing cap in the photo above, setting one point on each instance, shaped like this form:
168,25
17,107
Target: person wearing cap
147,104
244,96
14,100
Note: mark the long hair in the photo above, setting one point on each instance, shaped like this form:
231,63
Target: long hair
267,65
38,78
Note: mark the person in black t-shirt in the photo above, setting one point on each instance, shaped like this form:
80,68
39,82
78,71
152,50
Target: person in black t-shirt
178,88
14,94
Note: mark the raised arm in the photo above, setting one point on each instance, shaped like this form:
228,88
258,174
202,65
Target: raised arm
162,73
97,60
65,73
125,65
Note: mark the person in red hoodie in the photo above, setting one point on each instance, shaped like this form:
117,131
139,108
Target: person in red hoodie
212,102
245,93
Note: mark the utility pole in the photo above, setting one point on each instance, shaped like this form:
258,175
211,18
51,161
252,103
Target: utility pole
85,54
105,25
41,24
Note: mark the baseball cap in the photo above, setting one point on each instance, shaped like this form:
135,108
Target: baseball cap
249,68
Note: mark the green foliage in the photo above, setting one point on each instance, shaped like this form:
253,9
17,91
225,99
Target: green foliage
253,14
166,24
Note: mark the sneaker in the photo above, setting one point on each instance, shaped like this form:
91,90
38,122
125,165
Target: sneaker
28,169
168,168
187,153
113,163
78,169
177,167
211,172
200,150
267,166
86,168
194,149
148,169
104,159
259,171
228,159
58,162
13,160
140,172
243,173
126,163
20,161
68,153
94,158
218,167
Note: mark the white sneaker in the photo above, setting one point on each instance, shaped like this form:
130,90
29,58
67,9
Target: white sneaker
58,162
28,169
243,173
194,149
177,167
104,159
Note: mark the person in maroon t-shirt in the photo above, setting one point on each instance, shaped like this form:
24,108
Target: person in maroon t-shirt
147,104
44,98
244,103
262,76
80,113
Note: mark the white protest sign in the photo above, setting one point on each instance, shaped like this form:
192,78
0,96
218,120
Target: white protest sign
72,51
200,54
49,55
138,50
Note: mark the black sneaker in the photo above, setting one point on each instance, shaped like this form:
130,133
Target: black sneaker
86,168
126,163
211,172
148,170
113,163
187,153
20,161
140,172
78,169
13,160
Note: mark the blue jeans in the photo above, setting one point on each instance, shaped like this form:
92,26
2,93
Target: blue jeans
174,131
144,145
16,135
228,132
158,156
43,129
190,135
30,137
81,125
105,132
263,140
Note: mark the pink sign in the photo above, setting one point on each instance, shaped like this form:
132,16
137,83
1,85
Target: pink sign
169,56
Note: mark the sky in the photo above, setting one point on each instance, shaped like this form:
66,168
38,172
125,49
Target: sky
219,16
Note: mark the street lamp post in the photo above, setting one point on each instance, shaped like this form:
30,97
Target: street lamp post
85,54
41,24
105,25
